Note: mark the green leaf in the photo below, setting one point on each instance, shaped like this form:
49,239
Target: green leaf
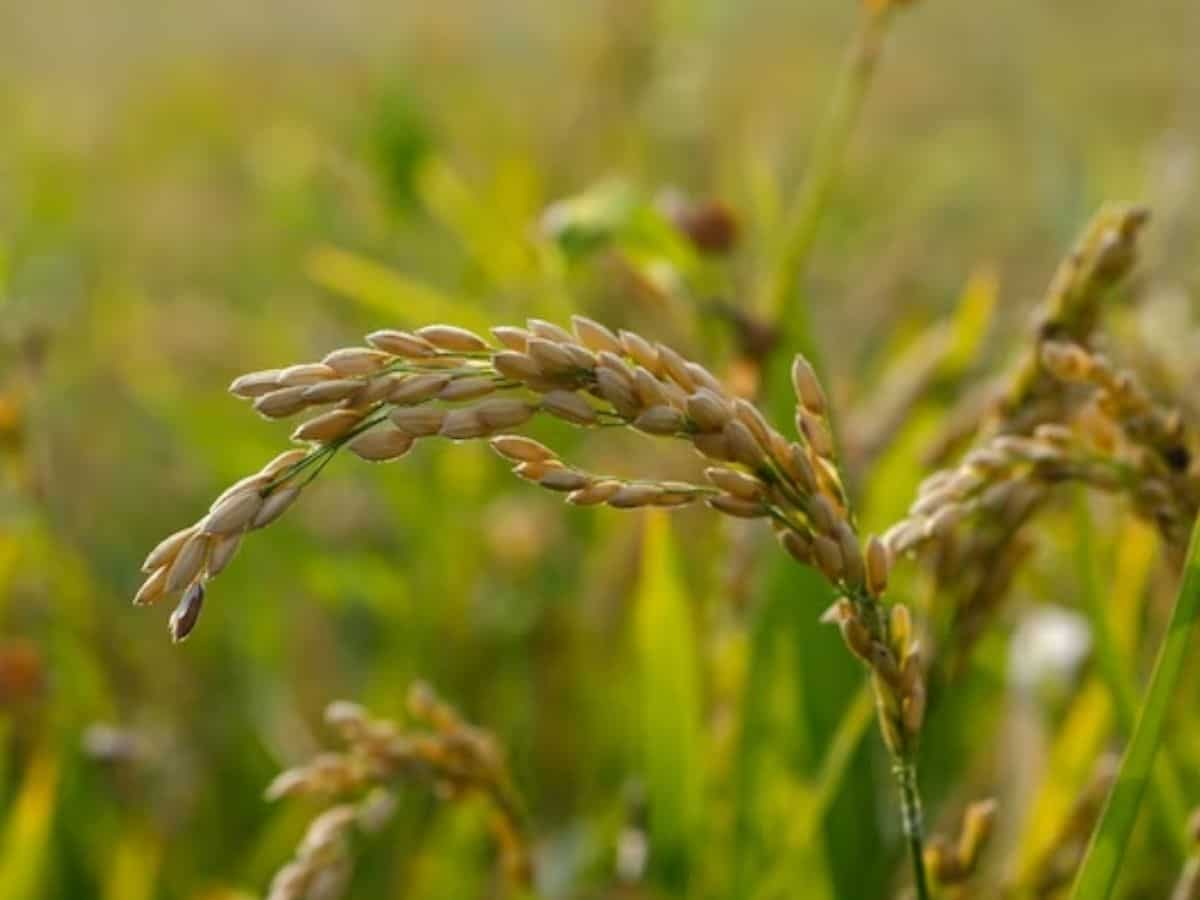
383,291
1098,874
670,691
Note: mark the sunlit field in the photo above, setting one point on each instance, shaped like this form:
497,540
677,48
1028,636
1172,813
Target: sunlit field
623,449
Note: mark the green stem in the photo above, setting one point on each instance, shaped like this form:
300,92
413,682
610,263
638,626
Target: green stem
1098,874
911,820
804,220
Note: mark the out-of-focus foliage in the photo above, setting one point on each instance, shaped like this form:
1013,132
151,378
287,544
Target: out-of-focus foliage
189,191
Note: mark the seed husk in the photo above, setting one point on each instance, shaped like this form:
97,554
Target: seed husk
283,461
504,412
570,407
233,514
736,506
328,426
708,411
549,331
419,388
595,336
807,386
743,447
749,415
418,421
452,338
852,560
187,563
401,343
747,487
516,365
222,553
649,389
351,361
255,384
305,374
797,545
381,444
615,364
640,350
704,378
469,388
152,588
512,338
282,403
533,470
829,557
565,480
521,449
663,420
674,367
551,358
632,496
167,549
187,613
332,391
714,446
816,432
879,563
613,388
275,504
594,494
462,424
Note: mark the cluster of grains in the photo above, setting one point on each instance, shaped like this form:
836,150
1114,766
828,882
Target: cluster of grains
457,759
883,638
443,381
1121,419
1101,259
953,862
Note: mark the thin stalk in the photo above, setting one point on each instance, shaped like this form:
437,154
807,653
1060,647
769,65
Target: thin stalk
912,821
1098,874
829,148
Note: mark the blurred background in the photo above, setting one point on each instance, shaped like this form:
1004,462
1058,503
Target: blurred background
191,191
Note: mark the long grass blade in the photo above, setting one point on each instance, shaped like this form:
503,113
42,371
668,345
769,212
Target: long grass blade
1101,865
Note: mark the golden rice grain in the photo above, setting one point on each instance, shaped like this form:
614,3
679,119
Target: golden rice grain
187,563
255,384
328,426
469,388
462,425
570,407
185,615
381,444
167,549
233,513
282,403
275,504
594,336
452,338
662,420
352,361
152,588
418,421
222,552
521,449
305,374
401,343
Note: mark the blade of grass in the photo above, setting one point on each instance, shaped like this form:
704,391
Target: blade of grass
1098,874
1165,788
829,150
668,663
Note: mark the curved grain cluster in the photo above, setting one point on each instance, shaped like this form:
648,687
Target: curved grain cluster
442,381
455,758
